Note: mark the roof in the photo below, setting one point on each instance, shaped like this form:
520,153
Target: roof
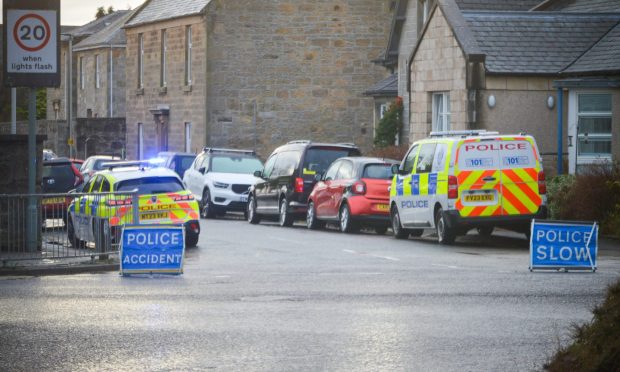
589,6
97,24
159,10
540,42
111,34
495,5
129,173
604,57
387,87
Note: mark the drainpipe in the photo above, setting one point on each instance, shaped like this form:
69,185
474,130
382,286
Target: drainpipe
111,82
70,95
13,110
560,135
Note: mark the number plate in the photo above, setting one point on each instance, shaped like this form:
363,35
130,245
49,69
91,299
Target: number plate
153,216
243,198
383,207
53,201
473,198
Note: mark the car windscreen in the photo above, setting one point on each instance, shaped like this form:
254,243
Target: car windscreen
318,159
378,171
235,164
58,178
151,185
185,162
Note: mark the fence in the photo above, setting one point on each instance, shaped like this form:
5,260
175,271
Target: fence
69,225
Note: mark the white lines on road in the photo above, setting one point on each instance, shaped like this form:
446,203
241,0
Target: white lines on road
371,255
448,266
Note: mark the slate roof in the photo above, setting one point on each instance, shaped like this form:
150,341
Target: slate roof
159,10
98,24
536,42
113,34
586,6
497,5
386,87
604,57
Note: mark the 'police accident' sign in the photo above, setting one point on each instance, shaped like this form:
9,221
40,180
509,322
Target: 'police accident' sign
563,245
152,249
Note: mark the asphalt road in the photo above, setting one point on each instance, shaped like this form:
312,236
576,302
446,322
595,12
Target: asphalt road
284,299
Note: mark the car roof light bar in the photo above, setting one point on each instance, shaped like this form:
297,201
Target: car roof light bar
463,133
214,149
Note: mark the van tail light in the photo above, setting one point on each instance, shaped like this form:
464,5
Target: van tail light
542,185
299,184
358,188
117,202
177,198
453,187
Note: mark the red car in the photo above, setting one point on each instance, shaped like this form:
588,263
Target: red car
354,191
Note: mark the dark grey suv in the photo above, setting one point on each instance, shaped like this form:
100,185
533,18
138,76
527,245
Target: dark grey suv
288,178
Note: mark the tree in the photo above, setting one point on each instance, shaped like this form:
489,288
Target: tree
390,124
100,12
110,9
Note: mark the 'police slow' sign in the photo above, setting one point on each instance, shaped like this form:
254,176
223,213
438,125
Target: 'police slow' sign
563,245
152,249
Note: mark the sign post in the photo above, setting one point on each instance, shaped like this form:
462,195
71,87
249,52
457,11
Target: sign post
567,245
152,249
31,58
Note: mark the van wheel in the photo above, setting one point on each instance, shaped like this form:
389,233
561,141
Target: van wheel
485,231
191,239
311,221
286,219
445,235
347,225
206,207
252,216
399,232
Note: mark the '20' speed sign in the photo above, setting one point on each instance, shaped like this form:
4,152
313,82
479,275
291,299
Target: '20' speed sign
31,41
31,32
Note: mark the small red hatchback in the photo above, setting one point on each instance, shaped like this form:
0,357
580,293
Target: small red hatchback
354,192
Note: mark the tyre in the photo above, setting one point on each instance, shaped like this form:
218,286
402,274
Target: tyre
485,231
445,235
347,225
286,219
399,232
251,214
191,239
206,207
381,230
311,221
73,240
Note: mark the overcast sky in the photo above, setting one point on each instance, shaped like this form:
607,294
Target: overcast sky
79,12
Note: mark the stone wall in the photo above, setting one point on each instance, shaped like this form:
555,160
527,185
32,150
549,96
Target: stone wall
303,65
100,136
408,39
438,66
59,94
54,132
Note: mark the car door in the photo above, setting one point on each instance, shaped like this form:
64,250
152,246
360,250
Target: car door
344,178
190,176
402,185
283,176
423,184
321,190
262,188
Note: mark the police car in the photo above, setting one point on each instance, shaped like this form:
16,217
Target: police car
460,180
106,203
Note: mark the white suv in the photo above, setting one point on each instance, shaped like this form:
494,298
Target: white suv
220,179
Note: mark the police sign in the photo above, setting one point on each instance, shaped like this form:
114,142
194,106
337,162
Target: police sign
563,245
31,48
148,249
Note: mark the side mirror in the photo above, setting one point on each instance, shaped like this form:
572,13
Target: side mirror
395,169
327,179
202,170
318,177
258,174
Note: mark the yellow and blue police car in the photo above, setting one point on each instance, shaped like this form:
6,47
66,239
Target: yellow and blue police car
106,203
460,180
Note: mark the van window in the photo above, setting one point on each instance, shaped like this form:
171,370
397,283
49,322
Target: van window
439,161
333,170
409,160
425,158
495,155
97,185
346,171
269,166
151,185
288,161
520,156
318,159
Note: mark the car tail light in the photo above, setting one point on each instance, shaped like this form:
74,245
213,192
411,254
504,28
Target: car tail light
117,203
194,227
177,198
358,188
453,187
299,184
542,185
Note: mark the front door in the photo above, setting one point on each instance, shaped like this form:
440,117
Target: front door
162,123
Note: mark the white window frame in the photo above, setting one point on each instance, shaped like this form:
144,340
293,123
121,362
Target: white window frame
188,137
140,61
82,80
97,75
140,141
441,112
188,55
425,6
164,58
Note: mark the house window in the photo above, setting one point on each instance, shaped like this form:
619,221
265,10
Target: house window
188,137
441,112
140,61
383,108
140,141
594,125
81,72
425,10
97,81
188,55
164,62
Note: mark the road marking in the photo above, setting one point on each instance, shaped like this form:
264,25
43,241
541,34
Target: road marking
448,266
371,255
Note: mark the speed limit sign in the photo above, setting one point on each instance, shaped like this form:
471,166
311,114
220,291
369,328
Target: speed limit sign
31,28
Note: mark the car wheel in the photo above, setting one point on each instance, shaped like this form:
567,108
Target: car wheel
399,232
206,207
252,216
73,240
485,231
191,239
286,219
381,230
311,221
347,225
445,235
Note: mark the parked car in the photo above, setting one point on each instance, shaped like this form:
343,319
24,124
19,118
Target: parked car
353,192
59,176
162,199
95,163
220,179
49,154
177,161
461,180
77,163
288,178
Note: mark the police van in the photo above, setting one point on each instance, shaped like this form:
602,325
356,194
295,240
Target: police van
461,180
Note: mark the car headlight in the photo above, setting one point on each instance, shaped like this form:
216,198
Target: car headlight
220,185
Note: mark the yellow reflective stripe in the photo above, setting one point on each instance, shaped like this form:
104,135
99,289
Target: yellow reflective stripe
407,185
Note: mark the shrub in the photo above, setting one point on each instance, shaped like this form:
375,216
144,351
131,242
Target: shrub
558,189
389,126
390,152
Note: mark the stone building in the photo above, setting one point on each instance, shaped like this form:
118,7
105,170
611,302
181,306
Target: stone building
262,73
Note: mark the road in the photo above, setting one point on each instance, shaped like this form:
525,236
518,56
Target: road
283,299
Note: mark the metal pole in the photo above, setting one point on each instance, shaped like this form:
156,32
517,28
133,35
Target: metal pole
560,135
254,123
32,220
13,110
70,95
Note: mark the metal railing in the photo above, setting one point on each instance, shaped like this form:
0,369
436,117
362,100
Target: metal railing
42,226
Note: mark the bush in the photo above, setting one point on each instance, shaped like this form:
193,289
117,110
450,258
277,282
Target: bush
389,126
390,152
596,346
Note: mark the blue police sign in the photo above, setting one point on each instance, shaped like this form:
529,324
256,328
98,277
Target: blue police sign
149,249
563,245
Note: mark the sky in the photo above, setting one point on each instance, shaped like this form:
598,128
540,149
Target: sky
79,12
